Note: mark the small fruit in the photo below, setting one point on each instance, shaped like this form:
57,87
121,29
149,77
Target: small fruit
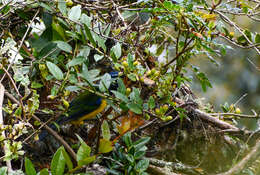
165,108
157,73
157,111
125,64
69,2
128,91
149,72
153,71
135,63
237,111
168,118
231,107
51,97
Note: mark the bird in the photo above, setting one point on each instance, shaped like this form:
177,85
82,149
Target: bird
85,106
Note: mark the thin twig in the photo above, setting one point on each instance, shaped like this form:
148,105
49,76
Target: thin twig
240,166
257,68
241,98
51,131
2,90
233,24
24,36
234,114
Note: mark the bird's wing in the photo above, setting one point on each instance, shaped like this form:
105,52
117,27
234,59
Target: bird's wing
81,106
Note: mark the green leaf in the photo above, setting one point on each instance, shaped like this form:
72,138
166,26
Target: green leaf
89,35
54,70
116,51
127,139
105,146
105,130
120,96
45,6
245,9
135,96
130,60
151,102
98,57
64,46
105,82
204,81
135,108
87,160
3,170
142,165
62,7
58,163
248,34
91,75
43,172
72,88
121,86
141,142
139,154
36,85
75,13
84,52
47,49
107,30
76,61
101,42
257,38
29,168
130,158
72,35
83,152
132,76
67,159
86,20
58,32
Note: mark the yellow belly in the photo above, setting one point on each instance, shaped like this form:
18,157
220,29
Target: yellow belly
92,114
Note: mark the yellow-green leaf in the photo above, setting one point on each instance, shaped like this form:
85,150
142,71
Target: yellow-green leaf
105,146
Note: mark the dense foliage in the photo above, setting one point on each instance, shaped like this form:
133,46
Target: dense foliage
51,51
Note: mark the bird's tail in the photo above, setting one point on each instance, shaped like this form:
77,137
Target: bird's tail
60,121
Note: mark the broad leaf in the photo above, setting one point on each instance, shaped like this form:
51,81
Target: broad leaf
76,61
120,96
142,165
75,13
135,108
44,172
83,152
64,46
105,130
105,82
87,160
98,57
116,51
151,102
3,170
62,7
105,146
55,70
89,35
29,168
58,163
